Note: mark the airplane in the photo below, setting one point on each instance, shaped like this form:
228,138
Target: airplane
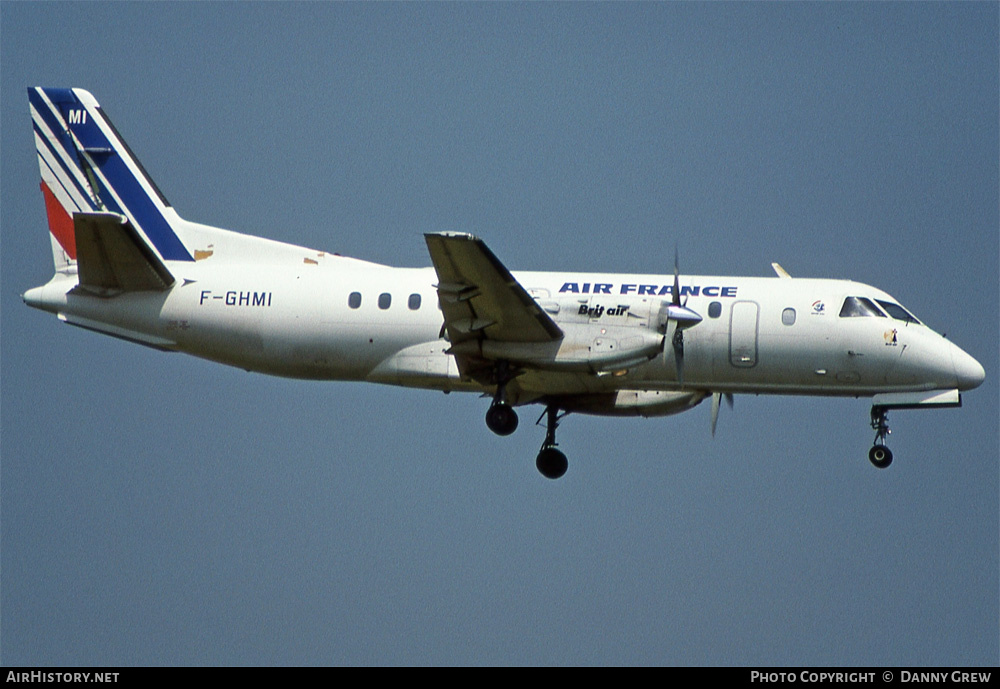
127,265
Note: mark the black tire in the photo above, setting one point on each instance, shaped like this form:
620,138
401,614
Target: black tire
880,456
551,463
501,419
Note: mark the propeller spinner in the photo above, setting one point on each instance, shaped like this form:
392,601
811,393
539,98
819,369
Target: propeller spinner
678,319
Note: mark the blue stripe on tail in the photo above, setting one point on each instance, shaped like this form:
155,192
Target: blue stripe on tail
105,163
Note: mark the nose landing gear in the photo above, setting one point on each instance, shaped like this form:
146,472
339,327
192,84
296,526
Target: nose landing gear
551,463
880,455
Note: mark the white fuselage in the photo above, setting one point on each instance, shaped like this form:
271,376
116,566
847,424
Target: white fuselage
289,311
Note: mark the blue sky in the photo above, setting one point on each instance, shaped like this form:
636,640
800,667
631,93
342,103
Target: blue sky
159,509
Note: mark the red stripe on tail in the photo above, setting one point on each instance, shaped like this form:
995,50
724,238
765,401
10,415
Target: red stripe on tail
60,224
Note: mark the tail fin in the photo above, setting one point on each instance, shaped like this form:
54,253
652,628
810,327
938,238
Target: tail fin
86,167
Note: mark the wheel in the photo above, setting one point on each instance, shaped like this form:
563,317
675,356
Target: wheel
501,419
880,456
551,463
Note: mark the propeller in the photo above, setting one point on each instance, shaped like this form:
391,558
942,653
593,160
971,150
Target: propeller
716,400
678,318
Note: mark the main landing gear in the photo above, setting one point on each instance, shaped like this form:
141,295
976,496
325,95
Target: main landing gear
502,420
501,417
551,462
880,455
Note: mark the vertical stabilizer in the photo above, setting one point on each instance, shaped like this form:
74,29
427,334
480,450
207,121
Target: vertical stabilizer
86,167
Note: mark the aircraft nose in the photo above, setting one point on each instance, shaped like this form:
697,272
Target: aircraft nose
968,371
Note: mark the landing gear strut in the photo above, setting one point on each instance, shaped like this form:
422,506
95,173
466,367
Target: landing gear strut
501,417
550,461
880,455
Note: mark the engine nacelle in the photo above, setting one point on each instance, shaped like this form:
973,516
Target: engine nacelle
583,349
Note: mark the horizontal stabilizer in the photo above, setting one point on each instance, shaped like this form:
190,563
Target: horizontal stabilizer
112,258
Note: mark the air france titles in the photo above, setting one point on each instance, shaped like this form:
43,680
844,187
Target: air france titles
640,290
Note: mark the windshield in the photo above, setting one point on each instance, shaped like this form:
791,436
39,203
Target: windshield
897,311
855,307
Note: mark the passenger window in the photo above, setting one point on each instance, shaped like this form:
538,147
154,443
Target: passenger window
354,300
855,307
715,309
414,302
384,300
788,316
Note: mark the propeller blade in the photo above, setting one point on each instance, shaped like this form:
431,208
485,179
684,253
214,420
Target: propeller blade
716,403
673,340
668,337
676,300
677,317
679,354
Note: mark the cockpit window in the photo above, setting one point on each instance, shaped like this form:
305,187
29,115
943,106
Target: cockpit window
855,307
897,312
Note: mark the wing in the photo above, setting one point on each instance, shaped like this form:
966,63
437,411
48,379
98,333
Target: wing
481,300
